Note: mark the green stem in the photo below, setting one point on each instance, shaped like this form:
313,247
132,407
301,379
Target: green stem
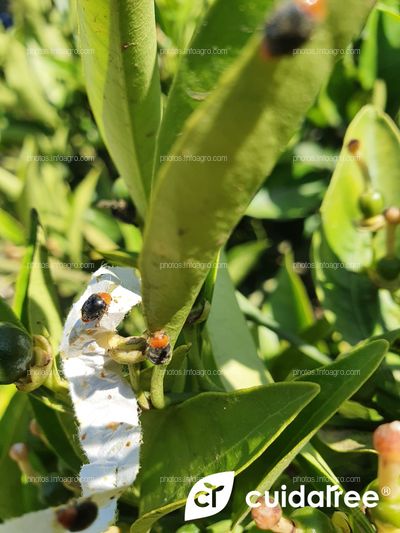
134,377
365,172
157,387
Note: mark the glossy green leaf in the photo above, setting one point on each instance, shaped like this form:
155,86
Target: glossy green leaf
20,297
122,81
196,204
281,366
232,345
215,50
290,304
295,188
379,58
35,299
213,432
342,250
82,199
362,362
380,150
350,296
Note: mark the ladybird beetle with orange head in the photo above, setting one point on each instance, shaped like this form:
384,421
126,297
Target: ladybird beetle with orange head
158,347
95,306
291,26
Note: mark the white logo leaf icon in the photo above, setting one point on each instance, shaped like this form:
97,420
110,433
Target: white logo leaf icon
209,496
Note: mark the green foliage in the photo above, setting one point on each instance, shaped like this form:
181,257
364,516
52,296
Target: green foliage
259,228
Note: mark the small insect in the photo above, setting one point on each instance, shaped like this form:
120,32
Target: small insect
291,26
78,516
95,306
158,347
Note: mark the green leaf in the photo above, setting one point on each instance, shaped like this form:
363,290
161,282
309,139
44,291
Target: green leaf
281,366
18,498
122,81
295,188
196,204
20,297
36,301
213,432
119,257
379,58
10,185
352,371
60,431
22,78
231,342
243,258
10,229
8,315
380,149
350,296
290,304
81,201
225,29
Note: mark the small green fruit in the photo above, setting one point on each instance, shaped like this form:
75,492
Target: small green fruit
387,513
16,352
371,203
120,190
312,520
388,268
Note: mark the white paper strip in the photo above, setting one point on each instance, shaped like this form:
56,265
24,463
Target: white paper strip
105,405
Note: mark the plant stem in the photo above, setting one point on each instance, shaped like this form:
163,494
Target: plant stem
134,378
157,387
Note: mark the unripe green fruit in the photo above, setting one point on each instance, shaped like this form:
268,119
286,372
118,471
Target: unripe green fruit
371,203
16,352
388,268
120,190
387,512
312,520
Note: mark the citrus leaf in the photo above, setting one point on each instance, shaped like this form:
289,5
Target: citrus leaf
122,80
240,425
338,382
240,130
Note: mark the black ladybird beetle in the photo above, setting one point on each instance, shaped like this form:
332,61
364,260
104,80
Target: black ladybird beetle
78,516
158,347
291,26
95,306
